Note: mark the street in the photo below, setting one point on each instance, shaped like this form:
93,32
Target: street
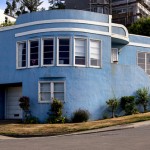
128,139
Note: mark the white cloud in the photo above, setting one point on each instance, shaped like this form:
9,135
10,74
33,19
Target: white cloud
45,4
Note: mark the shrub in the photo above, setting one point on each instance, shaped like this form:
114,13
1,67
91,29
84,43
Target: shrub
80,116
24,103
31,120
113,104
128,105
142,97
55,113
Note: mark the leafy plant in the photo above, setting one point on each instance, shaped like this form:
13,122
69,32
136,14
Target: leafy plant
24,103
113,104
80,116
55,113
142,97
128,105
31,120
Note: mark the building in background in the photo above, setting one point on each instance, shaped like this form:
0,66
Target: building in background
100,6
128,11
6,18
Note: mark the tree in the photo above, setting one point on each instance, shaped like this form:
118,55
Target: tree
11,7
141,27
56,5
31,5
17,7
113,104
142,96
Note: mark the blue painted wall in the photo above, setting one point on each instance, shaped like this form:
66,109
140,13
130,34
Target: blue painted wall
86,88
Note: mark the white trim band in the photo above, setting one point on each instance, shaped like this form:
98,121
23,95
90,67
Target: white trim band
55,21
61,29
139,44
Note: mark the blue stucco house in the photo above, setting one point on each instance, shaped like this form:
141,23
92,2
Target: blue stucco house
79,57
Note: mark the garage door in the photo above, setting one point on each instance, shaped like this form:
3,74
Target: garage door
13,111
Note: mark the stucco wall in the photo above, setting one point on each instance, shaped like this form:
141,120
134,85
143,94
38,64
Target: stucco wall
86,87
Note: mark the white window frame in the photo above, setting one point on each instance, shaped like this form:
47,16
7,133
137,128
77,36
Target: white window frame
17,66
112,61
70,51
100,57
30,40
86,52
145,63
42,50
52,90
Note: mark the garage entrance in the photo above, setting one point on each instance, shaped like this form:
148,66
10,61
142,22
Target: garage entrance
12,109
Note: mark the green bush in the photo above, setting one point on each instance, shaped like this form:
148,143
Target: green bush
55,113
128,105
31,120
80,116
142,97
24,103
113,104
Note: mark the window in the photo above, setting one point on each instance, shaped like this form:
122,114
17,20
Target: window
80,51
144,61
21,55
114,55
34,53
95,53
63,51
50,90
48,51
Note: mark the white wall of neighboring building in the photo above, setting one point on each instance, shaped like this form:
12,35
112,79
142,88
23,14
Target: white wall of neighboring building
3,17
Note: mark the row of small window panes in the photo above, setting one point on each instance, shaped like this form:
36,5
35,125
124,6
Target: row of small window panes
64,52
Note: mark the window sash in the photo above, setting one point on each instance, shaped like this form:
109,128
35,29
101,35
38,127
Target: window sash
114,55
95,53
21,52
34,53
63,51
143,61
80,51
48,51
50,90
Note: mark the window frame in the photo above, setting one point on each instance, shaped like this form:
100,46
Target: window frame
70,51
30,40
52,90
42,50
86,51
17,51
100,42
145,61
115,62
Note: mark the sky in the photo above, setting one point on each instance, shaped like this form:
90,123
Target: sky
3,4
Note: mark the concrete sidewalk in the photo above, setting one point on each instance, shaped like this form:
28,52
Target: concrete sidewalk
107,129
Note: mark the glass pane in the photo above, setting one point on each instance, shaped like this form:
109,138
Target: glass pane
64,51
59,96
45,87
34,43
80,51
45,96
80,60
58,87
22,54
34,53
95,62
141,55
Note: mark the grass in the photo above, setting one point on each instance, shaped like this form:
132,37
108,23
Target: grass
23,130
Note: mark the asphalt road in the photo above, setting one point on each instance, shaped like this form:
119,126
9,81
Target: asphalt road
127,139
